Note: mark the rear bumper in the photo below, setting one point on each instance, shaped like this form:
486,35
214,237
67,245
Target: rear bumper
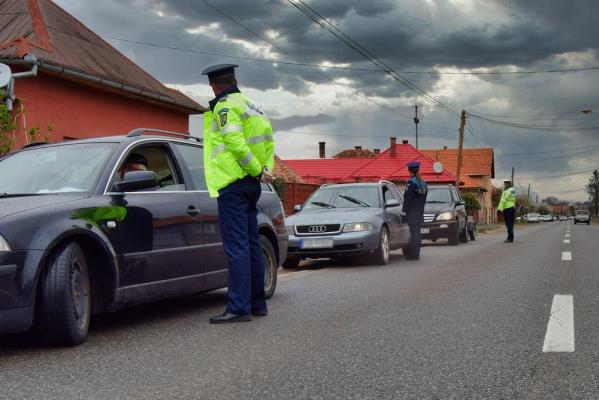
344,243
438,230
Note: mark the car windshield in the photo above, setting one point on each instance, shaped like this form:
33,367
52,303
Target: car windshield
438,195
582,212
71,168
344,197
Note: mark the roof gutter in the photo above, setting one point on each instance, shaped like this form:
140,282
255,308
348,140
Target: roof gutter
101,81
29,59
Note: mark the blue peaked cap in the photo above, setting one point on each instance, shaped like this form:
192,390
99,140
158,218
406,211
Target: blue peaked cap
216,71
413,164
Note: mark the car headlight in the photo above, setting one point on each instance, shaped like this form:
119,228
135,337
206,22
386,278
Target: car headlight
4,246
289,230
358,227
446,216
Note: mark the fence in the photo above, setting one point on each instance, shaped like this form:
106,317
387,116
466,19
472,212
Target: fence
297,193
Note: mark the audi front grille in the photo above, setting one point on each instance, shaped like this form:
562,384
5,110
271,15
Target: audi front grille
318,229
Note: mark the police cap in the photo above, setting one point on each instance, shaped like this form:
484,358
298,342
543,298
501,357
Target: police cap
216,71
413,165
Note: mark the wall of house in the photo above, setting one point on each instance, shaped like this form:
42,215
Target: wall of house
79,111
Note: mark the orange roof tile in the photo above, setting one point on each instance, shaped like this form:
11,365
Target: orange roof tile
474,161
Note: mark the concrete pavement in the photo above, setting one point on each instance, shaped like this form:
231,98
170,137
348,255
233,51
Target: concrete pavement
463,322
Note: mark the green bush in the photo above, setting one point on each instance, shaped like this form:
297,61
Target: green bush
471,201
279,185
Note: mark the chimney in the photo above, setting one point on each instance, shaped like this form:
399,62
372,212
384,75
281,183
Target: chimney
392,147
321,149
358,147
377,151
444,147
404,142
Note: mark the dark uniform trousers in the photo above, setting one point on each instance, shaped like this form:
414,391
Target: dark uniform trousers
415,241
238,219
508,215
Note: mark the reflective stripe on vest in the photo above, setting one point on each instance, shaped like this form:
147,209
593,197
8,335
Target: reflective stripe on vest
247,159
231,128
267,137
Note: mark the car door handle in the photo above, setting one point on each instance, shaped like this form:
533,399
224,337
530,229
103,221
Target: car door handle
194,212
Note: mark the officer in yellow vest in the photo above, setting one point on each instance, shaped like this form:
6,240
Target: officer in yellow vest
238,155
507,205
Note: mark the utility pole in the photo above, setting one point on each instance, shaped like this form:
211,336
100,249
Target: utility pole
460,148
513,183
528,196
416,121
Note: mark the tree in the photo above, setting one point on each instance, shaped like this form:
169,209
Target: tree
543,209
593,190
496,196
471,201
551,200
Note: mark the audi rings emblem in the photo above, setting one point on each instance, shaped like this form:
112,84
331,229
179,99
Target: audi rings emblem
317,229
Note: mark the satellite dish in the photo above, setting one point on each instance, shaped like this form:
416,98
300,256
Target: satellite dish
5,75
438,167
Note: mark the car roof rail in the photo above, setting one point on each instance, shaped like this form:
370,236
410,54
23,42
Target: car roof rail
140,131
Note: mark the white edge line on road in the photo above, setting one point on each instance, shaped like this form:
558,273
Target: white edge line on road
566,256
567,241
567,235
560,328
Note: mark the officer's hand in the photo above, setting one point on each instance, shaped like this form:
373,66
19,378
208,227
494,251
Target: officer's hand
266,176
403,214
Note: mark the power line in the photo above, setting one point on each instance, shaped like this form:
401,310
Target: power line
527,161
470,130
289,55
354,45
533,126
545,152
337,67
568,174
350,136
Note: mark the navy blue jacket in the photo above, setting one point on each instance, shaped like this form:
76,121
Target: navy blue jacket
414,201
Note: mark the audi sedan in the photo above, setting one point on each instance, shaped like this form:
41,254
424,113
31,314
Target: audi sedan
359,219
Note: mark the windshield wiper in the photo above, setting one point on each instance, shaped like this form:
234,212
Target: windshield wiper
436,201
6,195
354,200
321,204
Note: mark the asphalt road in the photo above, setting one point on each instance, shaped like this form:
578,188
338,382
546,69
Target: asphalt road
466,322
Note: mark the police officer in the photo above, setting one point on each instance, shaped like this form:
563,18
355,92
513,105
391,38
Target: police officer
413,208
507,205
238,155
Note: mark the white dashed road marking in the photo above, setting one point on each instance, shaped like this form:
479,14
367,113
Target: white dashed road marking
566,256
560,329
567,235
566,240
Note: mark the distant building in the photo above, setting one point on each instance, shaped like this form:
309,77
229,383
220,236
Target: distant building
84,87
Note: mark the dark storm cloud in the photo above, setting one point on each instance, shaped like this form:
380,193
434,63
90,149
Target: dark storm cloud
296,121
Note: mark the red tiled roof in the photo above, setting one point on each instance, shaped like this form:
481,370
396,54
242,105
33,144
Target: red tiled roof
282,170
57,39
474,161
326,170
384,166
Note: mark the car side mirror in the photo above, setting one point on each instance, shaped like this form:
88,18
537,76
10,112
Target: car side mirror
297,208
136,180
460,203
392,203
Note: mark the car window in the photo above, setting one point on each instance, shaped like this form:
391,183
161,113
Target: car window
154,158
395,193
387,195
68,168
194,159
438,195
344,196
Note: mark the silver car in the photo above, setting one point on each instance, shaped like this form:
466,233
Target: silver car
348,220
583,217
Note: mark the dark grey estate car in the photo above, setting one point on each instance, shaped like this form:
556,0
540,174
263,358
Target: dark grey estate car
348,220
79,236
445,216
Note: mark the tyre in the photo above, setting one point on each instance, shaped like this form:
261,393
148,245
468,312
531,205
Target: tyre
65,301
464,235
291,262
270,265
381,255
472,233
454,236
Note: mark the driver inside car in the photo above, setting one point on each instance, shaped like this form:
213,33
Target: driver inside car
135,162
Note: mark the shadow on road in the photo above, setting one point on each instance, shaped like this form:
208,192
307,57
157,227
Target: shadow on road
127,319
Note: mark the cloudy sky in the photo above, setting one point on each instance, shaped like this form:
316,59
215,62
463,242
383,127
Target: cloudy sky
474,55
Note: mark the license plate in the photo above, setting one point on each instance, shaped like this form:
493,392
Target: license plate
424,230
322,243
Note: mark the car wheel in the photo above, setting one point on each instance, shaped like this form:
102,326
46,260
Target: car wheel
270,265
464,235
472,233
291,262
381,255
65,301
453,236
